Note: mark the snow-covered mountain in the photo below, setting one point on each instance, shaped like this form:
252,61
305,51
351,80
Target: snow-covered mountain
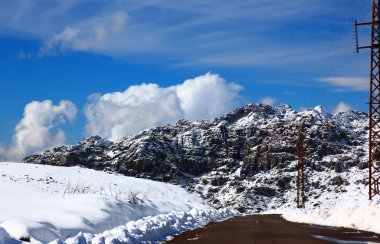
244,160
224,160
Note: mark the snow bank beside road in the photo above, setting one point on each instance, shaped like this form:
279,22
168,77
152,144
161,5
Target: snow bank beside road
360,215
156,228
345,205
46,203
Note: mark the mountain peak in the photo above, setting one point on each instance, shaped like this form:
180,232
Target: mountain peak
234,148
96,140
322,111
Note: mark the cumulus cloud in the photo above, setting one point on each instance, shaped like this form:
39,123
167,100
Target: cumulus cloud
114,115
38,129
93,34
268,100
341,107
206,96
350,83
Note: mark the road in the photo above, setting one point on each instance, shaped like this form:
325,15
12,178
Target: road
272,229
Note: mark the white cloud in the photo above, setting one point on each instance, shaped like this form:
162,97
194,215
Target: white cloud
352,83
114,115
268,100
206,96
93,34
341,107
38,129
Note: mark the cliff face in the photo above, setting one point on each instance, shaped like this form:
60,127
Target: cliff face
209,157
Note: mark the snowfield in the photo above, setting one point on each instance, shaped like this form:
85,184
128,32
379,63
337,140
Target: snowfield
71,204
76,205
345,205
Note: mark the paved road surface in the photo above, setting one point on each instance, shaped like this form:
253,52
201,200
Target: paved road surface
272,229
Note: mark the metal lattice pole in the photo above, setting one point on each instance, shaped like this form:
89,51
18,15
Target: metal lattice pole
374,100
301,171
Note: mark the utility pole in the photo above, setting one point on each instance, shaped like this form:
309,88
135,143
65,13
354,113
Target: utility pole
301,170
374,99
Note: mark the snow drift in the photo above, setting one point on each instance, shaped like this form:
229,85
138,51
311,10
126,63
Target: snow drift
47,203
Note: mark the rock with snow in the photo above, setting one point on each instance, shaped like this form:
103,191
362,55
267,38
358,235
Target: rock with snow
245,160
227,152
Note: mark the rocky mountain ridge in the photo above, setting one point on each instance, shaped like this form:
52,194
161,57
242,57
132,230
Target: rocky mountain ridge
243,159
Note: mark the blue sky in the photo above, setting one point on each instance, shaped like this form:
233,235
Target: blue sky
296,52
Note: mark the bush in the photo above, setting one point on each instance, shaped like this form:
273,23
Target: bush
218,181
240,189
337,180
265,191
283,183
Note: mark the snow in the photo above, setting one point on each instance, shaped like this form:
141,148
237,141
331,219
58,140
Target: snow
5,238
40,204
153,228
69,204
318,111
328,204
346,206
77,205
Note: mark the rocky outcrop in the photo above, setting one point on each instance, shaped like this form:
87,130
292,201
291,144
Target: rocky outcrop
257,137
250,140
